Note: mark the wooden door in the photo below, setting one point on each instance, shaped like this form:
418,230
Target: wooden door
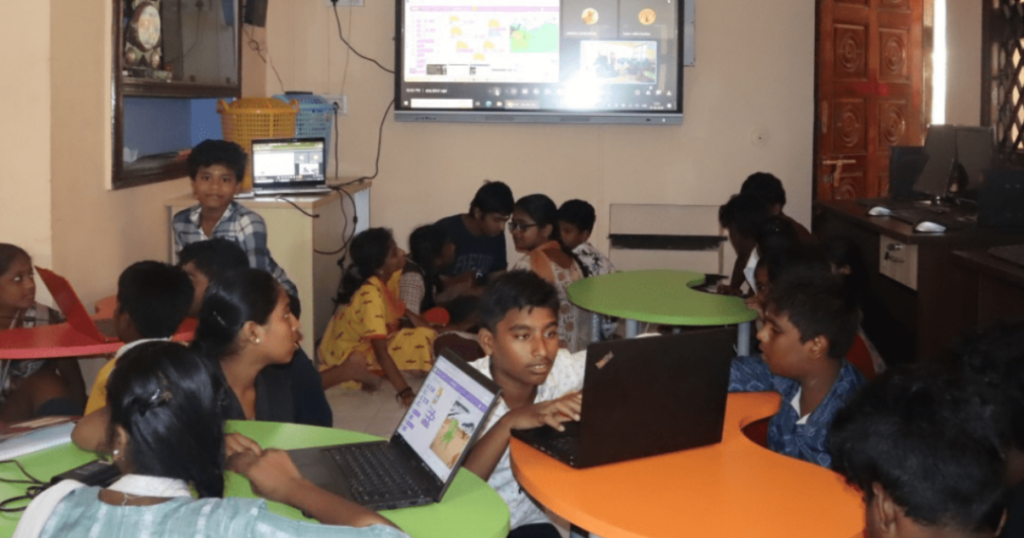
870,92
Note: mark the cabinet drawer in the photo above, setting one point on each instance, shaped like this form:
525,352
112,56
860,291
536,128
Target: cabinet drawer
898,261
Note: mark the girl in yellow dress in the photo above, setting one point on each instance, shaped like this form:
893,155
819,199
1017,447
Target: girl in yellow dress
366,328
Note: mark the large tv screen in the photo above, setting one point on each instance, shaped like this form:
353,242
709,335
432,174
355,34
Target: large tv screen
596,61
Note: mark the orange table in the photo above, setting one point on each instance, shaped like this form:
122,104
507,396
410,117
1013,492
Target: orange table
734,488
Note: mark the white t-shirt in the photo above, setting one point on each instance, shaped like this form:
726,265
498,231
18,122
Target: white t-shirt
566,376
748,271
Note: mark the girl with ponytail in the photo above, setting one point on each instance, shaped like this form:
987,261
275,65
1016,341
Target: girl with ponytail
535,232
364,336
165,432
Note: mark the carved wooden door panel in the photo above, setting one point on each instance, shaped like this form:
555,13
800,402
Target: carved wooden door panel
870,94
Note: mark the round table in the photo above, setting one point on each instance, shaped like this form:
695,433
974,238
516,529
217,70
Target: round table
733,488
661,296
470,509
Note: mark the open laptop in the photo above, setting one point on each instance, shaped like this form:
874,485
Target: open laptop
419,462
289,166
102,330
644,397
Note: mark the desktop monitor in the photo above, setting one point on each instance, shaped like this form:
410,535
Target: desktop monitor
905,165
551,61
940,147
975,151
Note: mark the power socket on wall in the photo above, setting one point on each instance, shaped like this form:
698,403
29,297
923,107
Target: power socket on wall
340,103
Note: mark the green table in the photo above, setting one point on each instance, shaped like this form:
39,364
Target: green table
661,296
470,509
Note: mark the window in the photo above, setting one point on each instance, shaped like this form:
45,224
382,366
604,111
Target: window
1003,88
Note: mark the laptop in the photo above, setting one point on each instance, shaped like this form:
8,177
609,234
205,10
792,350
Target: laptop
101,330
645,397
419,462
289,166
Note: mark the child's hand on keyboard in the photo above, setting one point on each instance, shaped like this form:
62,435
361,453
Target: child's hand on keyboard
272,475
552,413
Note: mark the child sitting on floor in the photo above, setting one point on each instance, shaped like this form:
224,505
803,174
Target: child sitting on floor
809,326
216,168
31,388
924,450
576,223
364,332
536,234
539,381
153,299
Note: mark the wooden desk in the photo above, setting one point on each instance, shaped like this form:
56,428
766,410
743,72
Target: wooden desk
920,315
993,289
733,488
470,509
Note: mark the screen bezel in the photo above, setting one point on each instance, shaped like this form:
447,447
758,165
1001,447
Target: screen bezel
399,441
291,184
672,117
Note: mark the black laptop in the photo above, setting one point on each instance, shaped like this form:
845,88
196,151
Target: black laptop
644,397
289,166
420,461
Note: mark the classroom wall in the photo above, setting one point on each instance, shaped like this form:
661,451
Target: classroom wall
754,73
963,86
25,137
97,232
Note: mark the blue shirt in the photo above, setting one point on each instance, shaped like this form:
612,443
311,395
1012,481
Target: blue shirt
808,441
473,252
239,224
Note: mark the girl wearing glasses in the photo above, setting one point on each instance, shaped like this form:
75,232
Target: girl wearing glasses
534,228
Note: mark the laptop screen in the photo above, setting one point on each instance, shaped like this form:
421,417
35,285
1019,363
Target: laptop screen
441,421
280,163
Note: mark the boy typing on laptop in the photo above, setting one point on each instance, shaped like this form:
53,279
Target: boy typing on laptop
540,384
809,327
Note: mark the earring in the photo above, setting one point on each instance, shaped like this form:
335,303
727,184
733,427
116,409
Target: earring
116,453
257,341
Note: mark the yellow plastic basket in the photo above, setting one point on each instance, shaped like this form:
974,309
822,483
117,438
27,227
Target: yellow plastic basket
251,118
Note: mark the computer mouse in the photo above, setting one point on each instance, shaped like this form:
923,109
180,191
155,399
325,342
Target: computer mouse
879,211
929,227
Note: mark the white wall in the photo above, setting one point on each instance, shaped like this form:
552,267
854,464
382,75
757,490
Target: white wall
755,70
963,86
25,137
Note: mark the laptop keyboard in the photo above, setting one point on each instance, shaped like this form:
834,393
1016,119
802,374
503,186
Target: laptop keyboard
374,474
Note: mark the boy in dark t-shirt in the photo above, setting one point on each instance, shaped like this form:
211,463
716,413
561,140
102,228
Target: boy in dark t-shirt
479,236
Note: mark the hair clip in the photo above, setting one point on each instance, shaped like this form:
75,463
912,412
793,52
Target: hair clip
160,396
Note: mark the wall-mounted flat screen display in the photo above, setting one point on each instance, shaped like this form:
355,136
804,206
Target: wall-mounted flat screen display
596,61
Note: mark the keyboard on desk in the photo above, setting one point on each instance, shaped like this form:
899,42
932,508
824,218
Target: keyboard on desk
1011,253
945,218
375,473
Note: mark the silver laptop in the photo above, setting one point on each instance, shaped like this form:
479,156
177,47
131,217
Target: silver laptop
289,166
419,462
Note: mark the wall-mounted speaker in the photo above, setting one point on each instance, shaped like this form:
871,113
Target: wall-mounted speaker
256,13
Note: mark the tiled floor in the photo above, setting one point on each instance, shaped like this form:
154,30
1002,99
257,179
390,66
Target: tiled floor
378,414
